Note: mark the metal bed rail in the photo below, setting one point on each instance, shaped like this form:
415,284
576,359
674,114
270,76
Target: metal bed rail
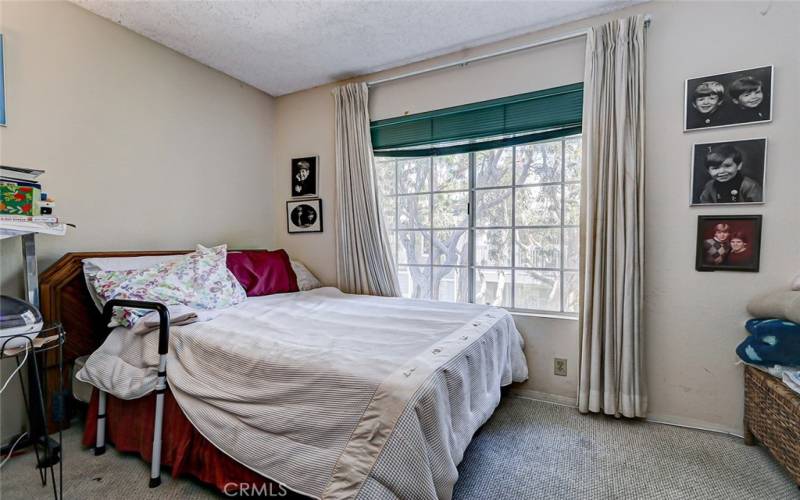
161,382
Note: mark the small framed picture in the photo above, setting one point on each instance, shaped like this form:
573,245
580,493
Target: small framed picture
729,172
728,243
304,176
727,99
304,216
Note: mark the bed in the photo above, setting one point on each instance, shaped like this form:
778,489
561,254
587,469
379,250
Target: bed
329,394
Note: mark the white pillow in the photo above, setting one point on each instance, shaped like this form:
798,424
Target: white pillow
92,266
305,278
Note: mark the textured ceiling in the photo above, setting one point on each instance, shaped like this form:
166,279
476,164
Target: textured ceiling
285,46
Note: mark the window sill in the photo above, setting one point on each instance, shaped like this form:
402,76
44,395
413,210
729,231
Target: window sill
546,315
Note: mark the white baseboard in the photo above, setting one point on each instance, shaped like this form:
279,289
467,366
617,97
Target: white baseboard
691,423
687,423
545,397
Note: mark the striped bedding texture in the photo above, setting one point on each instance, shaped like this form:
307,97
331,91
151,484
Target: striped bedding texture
333,395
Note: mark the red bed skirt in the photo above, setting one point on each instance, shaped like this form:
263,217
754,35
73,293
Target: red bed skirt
129,427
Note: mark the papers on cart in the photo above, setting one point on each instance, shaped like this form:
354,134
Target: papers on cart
11,228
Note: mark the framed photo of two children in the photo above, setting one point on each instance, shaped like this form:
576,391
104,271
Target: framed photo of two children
728,243
727,99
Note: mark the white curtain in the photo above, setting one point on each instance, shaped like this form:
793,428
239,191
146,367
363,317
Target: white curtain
363,257
611,375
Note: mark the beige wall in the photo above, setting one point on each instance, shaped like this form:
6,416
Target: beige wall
143,147
306,129
693,320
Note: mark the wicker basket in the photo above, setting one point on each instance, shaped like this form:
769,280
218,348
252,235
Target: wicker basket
772,415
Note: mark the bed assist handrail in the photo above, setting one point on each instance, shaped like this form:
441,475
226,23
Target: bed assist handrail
161,382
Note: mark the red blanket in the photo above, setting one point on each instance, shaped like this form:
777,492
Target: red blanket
129,426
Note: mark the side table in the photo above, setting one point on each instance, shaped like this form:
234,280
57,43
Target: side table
48,451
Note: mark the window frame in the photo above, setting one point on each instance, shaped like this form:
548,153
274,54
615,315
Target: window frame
472,189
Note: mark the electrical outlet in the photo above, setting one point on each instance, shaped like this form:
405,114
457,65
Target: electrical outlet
560,367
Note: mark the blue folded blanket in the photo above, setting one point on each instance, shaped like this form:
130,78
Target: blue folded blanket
772,342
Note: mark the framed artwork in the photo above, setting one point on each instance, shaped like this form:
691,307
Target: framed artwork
2,85
728,243
304,176
304,216
729,172
728,99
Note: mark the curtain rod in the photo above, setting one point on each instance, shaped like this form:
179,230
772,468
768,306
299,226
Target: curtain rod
513,50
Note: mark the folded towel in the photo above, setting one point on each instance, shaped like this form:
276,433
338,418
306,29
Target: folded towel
773,342
792,380
178,315
776,371
772,326
781,305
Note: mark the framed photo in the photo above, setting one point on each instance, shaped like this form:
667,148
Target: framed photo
729,172
304,176
727,99
304,216
728,243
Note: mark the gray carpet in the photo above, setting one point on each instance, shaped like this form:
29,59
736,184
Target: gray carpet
537,450
528,450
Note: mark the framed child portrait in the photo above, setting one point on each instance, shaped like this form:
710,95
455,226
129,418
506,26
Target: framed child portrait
304,176
304,216
728,243
729,172
727,99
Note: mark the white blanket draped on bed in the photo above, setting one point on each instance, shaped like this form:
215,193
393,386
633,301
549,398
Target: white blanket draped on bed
333,395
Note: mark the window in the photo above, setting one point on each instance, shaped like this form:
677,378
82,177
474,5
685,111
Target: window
496,227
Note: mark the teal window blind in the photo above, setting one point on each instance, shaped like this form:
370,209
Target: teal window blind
540,115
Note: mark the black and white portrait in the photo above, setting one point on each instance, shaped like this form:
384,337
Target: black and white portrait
304,176
304,216
729,172
729,99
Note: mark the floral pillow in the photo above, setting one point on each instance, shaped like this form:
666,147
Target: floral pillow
200,280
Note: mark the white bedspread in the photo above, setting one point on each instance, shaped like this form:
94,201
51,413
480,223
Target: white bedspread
333,395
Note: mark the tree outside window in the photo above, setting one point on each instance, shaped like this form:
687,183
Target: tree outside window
497,227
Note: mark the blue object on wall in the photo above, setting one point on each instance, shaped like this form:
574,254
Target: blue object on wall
2,86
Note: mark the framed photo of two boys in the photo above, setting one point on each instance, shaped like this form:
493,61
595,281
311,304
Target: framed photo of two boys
728,243
728,99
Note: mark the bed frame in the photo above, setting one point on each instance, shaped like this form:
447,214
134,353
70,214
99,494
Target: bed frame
65,298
